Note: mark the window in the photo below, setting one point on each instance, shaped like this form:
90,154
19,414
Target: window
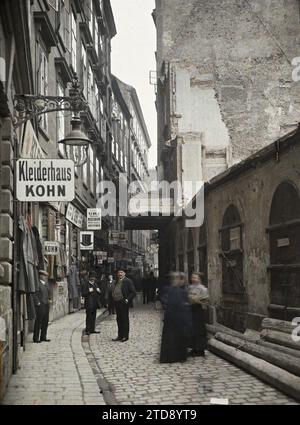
84,77
98,171
92,170
97,39
284,239
84,173
60,120
43,83
73,41
231,253
89,83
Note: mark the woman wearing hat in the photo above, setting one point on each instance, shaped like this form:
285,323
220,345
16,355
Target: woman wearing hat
198,296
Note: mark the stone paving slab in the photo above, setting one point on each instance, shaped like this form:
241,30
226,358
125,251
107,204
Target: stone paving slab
136,376
58,372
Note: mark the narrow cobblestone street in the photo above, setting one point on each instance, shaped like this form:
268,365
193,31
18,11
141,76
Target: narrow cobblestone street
60,372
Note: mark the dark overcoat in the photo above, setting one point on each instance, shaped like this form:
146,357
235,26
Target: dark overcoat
176,327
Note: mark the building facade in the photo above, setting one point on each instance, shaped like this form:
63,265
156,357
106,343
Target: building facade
247,246
44,45
138,144
225,84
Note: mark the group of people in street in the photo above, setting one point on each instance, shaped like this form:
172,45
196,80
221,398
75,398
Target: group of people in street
184,328
117,295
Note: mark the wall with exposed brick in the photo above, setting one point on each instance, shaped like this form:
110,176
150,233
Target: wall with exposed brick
247,48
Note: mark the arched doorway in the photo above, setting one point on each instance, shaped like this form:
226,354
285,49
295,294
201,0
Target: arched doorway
190,253
202,251
234,298
284,237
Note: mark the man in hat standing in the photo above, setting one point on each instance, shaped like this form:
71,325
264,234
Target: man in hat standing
123,294
91,292
41,302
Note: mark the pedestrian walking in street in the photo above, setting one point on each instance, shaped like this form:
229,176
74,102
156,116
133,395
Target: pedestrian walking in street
198,296
145,288
110,300
103,289
41,302
123,293
91,294
152,282
177,322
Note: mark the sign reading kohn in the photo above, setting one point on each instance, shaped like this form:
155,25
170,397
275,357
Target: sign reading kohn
45,180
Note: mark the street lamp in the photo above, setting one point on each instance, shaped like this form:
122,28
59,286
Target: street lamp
76,143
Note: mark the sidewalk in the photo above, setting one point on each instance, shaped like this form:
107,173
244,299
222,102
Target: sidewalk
57,372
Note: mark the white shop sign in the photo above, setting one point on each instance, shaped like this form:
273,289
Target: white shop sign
94,219
283,242
74,216
45,180
87,241
51,248
110,260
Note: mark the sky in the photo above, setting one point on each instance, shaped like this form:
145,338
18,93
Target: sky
133,56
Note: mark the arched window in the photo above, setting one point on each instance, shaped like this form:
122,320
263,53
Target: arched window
284,237
190,253
231,253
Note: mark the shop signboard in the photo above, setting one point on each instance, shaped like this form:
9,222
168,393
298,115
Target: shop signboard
31,149
86,241
94,219
45,180
110,260
51,248
74,216
113,237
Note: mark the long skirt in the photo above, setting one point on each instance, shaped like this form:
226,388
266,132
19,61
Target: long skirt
173,344
199,333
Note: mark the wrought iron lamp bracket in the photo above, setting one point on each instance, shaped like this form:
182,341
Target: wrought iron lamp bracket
29,106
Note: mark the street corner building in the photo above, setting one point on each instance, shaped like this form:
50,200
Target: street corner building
55,84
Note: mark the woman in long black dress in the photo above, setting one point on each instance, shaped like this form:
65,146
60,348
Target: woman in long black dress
198,296
176,323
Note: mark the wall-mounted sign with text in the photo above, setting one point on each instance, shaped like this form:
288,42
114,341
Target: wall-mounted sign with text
45,180
74,216
94,219
51,248
87,241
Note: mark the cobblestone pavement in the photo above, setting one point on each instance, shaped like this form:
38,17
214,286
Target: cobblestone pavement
136,377
63,372
57,372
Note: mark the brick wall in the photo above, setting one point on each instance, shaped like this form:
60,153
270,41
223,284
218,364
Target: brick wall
247,48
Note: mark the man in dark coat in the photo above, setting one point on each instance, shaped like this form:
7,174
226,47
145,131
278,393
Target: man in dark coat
41,303
177,323
123,294
91,292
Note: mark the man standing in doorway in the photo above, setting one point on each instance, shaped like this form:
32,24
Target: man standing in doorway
123,293
41,302
91,293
